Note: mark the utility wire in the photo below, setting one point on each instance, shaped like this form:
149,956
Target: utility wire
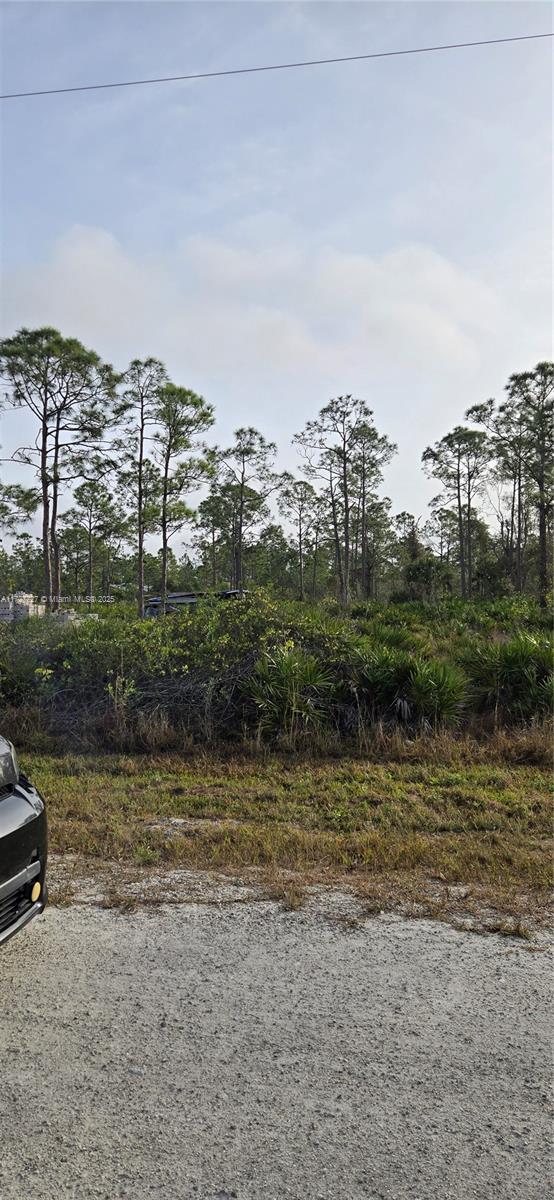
316,62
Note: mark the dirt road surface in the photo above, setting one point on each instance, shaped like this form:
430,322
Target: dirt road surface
242,1051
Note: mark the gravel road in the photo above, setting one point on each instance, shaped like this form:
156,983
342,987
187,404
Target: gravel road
207,1053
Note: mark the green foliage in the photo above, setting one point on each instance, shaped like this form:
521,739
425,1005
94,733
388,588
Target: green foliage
289,689
282,668
437,691
382,682
512,679
136,436
395,684
396,637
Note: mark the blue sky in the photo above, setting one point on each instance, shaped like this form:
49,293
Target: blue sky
380,228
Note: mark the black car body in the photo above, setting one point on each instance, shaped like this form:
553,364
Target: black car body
23,846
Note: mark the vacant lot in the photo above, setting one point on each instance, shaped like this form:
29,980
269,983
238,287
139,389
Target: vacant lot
391,826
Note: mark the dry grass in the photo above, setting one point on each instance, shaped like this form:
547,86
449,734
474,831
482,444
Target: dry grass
486,824
291,894
347,900
479,742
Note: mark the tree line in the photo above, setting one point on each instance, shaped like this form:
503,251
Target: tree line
116,460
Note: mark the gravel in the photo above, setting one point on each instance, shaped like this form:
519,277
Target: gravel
243,1051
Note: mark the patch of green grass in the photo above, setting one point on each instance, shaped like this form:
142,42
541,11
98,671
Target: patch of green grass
482,823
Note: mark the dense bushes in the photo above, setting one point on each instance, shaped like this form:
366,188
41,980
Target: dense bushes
265,668
513,680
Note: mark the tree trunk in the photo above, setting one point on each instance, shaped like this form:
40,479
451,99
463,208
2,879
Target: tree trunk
54,542
338,555
346,526
469,545
56,561
140,515
543,547
354,576
90,564
164,568
140,572
510,540
234,553
46,552
300,558
214,568
314,568
543,453
461,534
364,573
238,568
164,529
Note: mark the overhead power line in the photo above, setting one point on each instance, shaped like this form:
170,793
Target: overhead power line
288,66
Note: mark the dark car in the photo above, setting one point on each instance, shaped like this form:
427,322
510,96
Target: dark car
23,846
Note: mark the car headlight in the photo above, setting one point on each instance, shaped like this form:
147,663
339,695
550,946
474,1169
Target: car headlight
9,766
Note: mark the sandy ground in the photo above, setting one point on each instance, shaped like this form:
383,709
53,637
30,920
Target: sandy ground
243,1051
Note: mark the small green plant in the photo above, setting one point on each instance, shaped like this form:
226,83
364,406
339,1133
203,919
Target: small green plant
121,690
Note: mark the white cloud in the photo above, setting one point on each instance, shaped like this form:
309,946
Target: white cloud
269,329
233,307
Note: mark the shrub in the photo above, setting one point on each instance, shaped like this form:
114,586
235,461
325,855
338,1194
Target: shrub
397,637
512,680
437,692
411,689
289,690
195,672
382,682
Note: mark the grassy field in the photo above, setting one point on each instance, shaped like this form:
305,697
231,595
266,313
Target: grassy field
486,824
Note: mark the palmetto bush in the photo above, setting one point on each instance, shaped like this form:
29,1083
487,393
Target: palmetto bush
437,692
382,681
512,680
291,691
395,637
396,684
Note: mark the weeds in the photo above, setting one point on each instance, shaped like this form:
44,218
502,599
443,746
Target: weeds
291,895
481,823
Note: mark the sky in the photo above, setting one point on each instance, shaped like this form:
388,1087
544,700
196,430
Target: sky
378,228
